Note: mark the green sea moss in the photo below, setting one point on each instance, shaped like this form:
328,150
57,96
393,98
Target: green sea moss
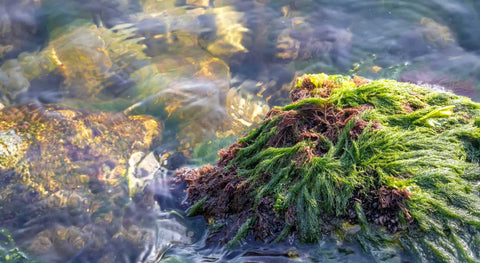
397,159
9,252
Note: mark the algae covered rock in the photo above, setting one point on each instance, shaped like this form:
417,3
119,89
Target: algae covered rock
393,166
73,183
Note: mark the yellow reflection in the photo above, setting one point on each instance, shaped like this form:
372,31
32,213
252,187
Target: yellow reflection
376,68
241,113
230,32
199,3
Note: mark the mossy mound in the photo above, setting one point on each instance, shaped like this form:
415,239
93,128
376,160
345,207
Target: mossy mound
393,166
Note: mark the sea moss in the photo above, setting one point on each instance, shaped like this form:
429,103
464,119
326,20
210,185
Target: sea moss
397,159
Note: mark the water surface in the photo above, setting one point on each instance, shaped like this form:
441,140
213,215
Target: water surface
206,70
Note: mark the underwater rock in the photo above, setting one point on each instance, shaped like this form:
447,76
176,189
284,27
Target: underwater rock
73,183
219,30
303,41
89,58
13,81
393,166
196,99
19,26
436,34
187,83
10,148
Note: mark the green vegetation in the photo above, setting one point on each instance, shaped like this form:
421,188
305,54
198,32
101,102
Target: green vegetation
398,159
8,251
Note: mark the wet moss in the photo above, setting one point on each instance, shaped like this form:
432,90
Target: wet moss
397,159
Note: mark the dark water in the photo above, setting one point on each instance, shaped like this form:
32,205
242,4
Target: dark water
208,70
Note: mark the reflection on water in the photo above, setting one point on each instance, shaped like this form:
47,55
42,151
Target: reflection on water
205,70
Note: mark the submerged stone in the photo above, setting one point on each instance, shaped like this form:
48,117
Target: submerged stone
73,182
391,165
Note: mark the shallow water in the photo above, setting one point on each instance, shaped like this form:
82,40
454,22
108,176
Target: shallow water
207,70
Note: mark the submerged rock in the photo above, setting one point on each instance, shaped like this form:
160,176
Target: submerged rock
82,59
19,26
73,183
391,165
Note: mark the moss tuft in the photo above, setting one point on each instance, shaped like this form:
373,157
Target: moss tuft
400,160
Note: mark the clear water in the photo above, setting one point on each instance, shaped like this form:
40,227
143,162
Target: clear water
209,69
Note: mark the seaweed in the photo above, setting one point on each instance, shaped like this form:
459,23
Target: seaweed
397,159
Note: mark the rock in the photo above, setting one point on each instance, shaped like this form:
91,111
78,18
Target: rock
66,190
89,59
436,34
11,149
19,26
142,170
393,166
193,46
12,81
